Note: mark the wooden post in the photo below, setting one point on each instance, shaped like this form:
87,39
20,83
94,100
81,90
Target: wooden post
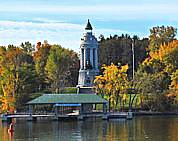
30,110
55,113
105,116
129,115
104,108
81,109
5,118
80,117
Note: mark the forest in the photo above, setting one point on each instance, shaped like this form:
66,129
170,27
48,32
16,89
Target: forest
26,71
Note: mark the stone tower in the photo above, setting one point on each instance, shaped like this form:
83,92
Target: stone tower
88,58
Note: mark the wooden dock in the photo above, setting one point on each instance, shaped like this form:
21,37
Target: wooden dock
117,115
31,117
27,115
8,118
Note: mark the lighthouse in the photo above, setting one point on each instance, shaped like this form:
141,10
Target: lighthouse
88,58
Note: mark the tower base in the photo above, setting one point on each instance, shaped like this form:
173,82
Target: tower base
85,90
86,77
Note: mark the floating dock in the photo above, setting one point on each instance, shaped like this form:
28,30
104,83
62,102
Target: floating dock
30,117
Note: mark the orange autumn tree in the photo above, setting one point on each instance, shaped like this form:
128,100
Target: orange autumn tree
6,84
113,84
168,56
173,88
162,66
10,61
40,58
8,97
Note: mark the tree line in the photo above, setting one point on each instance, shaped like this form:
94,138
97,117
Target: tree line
118,49
155,85
27,70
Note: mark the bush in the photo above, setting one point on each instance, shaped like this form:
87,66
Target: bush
69,90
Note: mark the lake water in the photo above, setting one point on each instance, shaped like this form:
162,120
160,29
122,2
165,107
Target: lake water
143,128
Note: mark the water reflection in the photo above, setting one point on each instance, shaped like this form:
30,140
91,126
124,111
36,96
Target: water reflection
6,136
139,129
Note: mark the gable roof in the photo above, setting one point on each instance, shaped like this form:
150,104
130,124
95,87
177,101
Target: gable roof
68,98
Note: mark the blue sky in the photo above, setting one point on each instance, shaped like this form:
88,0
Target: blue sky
63,21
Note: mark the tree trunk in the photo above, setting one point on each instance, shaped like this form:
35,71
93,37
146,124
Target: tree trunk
132,102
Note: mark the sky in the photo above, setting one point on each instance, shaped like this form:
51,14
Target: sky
63,21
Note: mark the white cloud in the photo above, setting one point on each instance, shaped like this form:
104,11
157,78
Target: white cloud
102,9
66,34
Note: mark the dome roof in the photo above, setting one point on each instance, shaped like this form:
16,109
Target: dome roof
88,26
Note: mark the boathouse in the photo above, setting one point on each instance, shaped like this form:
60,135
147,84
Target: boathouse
80,105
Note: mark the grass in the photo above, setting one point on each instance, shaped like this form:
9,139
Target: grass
136,104
69,90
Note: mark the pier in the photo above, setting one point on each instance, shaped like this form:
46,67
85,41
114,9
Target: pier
70,116
68,106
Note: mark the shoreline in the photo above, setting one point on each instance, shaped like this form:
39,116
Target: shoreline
135,113
148,113
106,116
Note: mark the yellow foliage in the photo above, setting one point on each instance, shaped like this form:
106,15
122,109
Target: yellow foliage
147,61
8,97
166,55
174,83
168,68
113,82
124,68
164,50
161,53
124,97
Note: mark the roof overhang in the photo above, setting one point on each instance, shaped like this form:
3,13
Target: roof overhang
68,99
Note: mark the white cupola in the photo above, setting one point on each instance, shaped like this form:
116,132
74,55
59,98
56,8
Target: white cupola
88,58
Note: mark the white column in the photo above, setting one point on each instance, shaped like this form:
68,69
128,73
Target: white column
81,58
84,58
91,57
96,58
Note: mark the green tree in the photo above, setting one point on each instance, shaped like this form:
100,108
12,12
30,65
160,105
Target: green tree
151,88
161,35
27,47
27,85
40,58
15,77
60,67
156,76
119,49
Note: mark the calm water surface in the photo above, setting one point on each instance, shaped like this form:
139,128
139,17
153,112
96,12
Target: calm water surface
146,128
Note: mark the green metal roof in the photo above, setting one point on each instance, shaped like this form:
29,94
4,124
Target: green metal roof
88,27
68,98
